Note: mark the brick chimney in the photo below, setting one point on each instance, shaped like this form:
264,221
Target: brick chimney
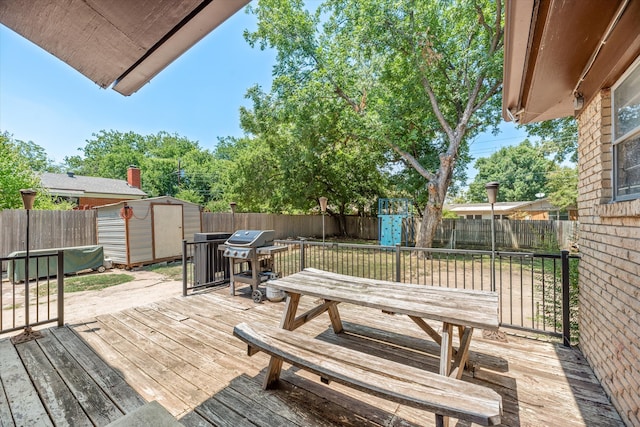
133,176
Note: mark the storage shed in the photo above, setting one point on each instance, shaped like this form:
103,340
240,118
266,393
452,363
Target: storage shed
145,231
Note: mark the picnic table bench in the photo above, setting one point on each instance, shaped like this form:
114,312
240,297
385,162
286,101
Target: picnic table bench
444,393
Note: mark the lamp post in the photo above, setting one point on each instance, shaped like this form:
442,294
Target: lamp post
28,197
232,205
492,195
323,207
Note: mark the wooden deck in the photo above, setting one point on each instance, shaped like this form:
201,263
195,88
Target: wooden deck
181,353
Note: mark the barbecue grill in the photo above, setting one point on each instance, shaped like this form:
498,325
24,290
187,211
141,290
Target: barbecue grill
252,252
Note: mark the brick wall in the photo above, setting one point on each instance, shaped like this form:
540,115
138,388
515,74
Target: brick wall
610,267
90,202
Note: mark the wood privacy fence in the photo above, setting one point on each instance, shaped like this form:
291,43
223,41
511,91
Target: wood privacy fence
290,226
510,234
57,229
47,229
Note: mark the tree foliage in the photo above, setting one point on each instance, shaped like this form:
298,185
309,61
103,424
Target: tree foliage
521,171
419,78
20,163
309,150
170,164
562,187
559,138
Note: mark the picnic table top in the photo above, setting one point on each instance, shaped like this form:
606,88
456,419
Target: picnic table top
464,307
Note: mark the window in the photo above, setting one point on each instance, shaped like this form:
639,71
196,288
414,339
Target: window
626,134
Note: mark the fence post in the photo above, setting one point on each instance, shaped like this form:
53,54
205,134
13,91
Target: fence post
302,261
184,267
60,280
398,268
566,325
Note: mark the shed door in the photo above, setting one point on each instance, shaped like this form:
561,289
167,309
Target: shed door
167,231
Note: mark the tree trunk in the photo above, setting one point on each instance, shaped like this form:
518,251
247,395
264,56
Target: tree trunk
431,217
342,224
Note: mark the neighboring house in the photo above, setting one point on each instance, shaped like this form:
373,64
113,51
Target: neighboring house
87,192
536,210
582,58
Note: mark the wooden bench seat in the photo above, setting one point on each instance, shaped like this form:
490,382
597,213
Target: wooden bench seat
442,395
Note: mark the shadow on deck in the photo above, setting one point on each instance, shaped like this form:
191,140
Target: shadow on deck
181,353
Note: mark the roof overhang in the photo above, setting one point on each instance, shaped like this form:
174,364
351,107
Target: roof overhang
122,43
560,53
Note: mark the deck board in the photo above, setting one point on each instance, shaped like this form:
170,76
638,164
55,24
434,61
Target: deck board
61,403
181,353
25,406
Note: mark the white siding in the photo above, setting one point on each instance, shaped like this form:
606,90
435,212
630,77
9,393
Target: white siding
111,229
111,234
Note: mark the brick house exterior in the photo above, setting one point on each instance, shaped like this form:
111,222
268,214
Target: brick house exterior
609,300
563,59
87,192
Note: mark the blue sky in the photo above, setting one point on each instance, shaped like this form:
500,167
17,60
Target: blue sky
198,96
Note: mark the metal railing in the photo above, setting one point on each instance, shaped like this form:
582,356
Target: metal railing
534,289
203,266
44,287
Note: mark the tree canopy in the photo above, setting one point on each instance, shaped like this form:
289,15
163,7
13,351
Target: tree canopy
20,163
413,80
524,172
559,138
170,164
562,187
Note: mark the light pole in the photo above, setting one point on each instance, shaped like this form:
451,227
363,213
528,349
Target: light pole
492,195
28,197
232,205
323,207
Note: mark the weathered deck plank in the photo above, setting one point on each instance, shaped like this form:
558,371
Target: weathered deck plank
122,394
61,404
152,389
181,353
26,408
94,401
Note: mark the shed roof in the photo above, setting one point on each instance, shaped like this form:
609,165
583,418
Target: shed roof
120,42
77,185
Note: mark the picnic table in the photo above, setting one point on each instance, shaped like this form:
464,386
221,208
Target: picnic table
442,393
456,308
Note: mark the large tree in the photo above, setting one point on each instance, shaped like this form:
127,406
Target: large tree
421,77
313,151
521,170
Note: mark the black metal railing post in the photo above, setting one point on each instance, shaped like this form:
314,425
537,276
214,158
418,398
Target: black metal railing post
184,268
60,280
302,260
398,260
566,322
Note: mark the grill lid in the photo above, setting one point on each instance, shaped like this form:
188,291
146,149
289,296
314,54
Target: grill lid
251,238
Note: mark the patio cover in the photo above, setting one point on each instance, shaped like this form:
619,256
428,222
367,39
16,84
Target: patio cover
557,50
123,43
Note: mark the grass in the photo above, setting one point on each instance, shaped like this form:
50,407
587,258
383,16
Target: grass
170,271
379,263
89,282
94,282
